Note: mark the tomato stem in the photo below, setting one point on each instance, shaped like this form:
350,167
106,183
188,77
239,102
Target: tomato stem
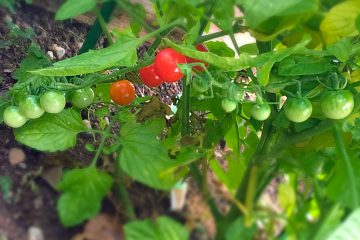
340,145
103,26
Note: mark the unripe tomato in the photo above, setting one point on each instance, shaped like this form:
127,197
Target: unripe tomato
13,117
122,92
297,109
166,65
337,104
200,83
261,111
53,101
149,76
30,107
82,98
201,48
228,105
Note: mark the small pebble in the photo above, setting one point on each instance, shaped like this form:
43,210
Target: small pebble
16,156
35,233
59,51
50,54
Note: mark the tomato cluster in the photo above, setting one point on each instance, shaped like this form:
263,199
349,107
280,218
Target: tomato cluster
33,107
165,67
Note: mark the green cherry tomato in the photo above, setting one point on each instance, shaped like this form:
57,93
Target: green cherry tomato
30,107
298,109
228,105
13,117
200,84
337,104
261,111
82,98
53,101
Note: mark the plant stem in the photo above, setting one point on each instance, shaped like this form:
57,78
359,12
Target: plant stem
123,195
211,36
233,40
340,145
102,142
95,31
103,26
185,128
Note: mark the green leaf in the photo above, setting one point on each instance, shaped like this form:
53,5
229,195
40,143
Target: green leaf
341,180
331,221
304,65
9,4
51,132
228,63
340,49
237,230
220,48
349,229
72,8
340,21
144,158
164,228
269,18
250,48
223,12
83,191
121,53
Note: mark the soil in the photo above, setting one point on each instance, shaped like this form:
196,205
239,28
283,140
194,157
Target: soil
31,199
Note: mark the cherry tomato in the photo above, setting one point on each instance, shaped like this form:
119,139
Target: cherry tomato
53,101
337,104
82,98
149,76
201,48
13,117
200,83
166,65
30,107
261,111
228,105
298,109
122,92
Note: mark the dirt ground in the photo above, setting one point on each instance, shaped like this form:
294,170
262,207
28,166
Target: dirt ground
28,206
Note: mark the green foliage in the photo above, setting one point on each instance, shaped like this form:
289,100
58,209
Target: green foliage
5,187
349,228
52,132
163,229
82,193
73,8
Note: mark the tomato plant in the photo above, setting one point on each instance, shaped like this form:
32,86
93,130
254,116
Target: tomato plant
166,65
305,149
30,107
82,98
122,92
53,101
337,104
149,76
201,48
298,109
13,117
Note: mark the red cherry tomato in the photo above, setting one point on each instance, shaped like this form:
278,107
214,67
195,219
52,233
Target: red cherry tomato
122,92
165,64
149,76
201,48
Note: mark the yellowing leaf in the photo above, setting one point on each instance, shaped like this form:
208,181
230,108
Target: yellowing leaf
340,21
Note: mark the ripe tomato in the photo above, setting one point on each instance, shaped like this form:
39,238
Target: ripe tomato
30,107
166,65
201,48
261,111
82,98
149,76
298,109
122,92
337,104
228,105
13,117
53,101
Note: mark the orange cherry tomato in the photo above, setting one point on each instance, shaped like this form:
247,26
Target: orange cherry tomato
122,92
